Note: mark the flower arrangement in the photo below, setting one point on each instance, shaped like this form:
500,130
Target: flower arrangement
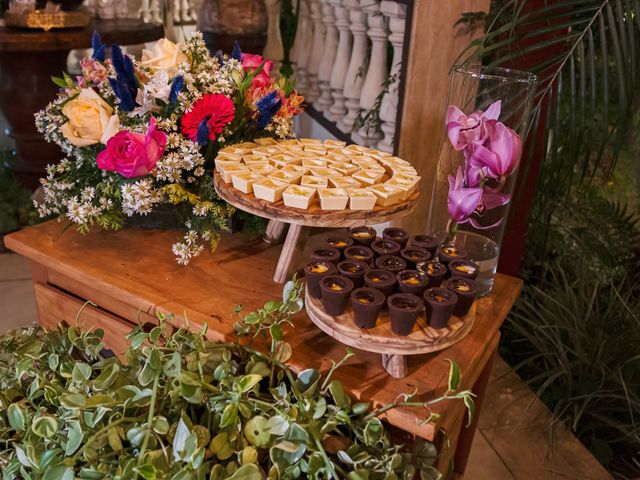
138,134
492,154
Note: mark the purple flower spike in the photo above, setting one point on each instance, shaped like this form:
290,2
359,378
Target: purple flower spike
462,201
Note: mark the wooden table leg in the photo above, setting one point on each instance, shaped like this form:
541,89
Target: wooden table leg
395,365
275,232
289,248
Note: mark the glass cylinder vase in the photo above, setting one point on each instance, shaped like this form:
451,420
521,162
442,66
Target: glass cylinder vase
476,88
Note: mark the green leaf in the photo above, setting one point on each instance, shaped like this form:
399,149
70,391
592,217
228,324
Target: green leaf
373,432
53,361
148,472
138,339
16,417
59,473
107,377
272,306
454,376
74,437
361,408
72,400
160,425
179,440
471,409
81,372
276,332
277,425
247,472
59,82
247,382
44,426
229,415
258,432
338,394
307,382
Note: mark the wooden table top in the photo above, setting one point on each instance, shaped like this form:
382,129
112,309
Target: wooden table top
137,267
123,32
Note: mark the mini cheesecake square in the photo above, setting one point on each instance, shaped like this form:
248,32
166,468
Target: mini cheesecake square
316,150
331,143
289,141
337,158
344,182
249,159
286,176
281,160
265,151
345,168
400,161
231,157
310,141
226,171
269,189
299,169
379,153
357,148
264,168
405,170
324,172
361,199
233,150
266,141
313,181
298,196
386,195
221,163
333,198
314,162
244,181
246,145
369,177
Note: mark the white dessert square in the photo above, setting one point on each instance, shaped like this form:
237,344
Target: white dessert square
262,168
369,177
246,145
344,182
313,181
226,171
337,158
399,161
286,176
281,160
221,163
331,143
266,141
244,181
248,159
386,195
345,168
269,189
324,172
314,162
310,141
234,150
265,151
290,141
230,157
357,148
298,196
299,169
316,150
405,170
361,199
333,198
379,153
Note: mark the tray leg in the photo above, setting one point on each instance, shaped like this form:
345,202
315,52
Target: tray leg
395,365
275,232
289,248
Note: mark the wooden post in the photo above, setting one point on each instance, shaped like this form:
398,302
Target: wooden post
395,365
286,256
275,232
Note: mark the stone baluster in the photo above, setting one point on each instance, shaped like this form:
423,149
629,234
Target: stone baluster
156,11
396,12
313,92
302,47
377,72
273,50
188,12
328,56
343,55
353,77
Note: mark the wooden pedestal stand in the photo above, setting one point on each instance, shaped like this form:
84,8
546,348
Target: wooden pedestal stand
281,216
380,339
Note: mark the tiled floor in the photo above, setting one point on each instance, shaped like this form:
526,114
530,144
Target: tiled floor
509,445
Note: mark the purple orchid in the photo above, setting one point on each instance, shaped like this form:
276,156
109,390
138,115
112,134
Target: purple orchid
466,131
502,155
462,201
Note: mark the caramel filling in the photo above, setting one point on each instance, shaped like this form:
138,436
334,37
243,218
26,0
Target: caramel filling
318,268
359,257
451,251
337,243
334,286
465,269
411,281
362,234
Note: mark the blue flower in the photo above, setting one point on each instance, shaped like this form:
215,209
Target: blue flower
267,106
99,52
219,57
125,85
202,136
176,86
236,53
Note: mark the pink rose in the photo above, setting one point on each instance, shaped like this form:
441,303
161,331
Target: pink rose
251,63
133,154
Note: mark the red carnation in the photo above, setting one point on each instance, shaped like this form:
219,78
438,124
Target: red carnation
207,118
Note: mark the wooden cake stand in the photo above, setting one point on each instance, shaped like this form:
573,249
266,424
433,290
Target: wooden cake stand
380,339
281,216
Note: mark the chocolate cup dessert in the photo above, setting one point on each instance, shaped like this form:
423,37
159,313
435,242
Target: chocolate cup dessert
335,292
328,254
412,281
359,253
449,253
440,304
414,255
392,263
353,270
362,235
383,246
366,304
427,242
314,271
466,290
404,309
464,269
382,280
399,235
436,272
339,241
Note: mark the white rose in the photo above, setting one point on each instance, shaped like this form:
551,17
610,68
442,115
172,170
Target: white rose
90,119
163,55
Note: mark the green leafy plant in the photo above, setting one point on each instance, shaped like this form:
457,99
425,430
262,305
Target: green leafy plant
183,407
16,209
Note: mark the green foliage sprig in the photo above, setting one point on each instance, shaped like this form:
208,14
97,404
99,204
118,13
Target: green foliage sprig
185,408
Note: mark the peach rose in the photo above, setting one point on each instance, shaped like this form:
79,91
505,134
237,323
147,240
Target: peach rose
90,119
163,55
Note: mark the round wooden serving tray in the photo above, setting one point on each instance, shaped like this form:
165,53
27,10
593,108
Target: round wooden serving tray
380,339
314,216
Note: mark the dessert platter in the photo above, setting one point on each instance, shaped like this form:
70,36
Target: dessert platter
313,183
396,295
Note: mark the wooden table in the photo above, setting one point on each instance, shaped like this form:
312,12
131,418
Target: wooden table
28,60
132,275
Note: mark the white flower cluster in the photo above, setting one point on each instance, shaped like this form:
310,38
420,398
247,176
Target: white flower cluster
140,197
190,247
182,156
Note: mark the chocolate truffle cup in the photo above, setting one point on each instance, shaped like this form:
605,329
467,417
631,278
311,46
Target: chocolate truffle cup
386,280
362,235
382,246
353,270
439,303
393,263
359,253
404,309
427,242
414,255
339,241
312,279
365,314
416,287
464,269
399,235
449,253
466,290
327,254
335,301
436,272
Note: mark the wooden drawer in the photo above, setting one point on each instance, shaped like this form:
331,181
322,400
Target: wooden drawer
55,306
